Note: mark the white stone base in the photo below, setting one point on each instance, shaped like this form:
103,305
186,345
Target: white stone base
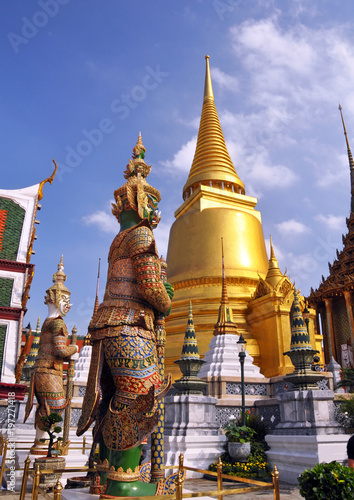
190,428
198,451
222,359
78,494
293,454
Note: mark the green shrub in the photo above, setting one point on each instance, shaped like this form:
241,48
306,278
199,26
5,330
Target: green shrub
327,482
253,469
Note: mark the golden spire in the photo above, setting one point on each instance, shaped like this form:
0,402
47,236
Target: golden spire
274,274
87,340
225,322
351,161
97,288
212,165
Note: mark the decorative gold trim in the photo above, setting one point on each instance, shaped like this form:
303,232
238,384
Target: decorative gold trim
121,475
103,466
49,179
216,281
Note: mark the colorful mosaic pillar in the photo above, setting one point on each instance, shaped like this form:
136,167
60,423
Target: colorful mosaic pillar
157,437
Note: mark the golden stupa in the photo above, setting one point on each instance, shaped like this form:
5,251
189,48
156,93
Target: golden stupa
215,206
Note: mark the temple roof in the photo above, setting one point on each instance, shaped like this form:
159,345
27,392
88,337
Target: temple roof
341,272
212,164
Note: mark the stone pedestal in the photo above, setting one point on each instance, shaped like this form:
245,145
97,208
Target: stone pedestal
190,428
307,413
307,433
293,454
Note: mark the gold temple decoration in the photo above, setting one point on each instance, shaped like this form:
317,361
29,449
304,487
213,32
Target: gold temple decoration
225,323
274,274
120,475
49,179
212,164
215,206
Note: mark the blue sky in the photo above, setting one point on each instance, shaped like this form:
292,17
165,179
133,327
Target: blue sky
81,78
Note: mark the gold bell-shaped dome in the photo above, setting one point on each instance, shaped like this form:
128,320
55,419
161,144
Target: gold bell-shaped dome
215,206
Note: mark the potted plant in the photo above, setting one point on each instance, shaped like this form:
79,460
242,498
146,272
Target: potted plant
238,440
331,481
50,427
51,460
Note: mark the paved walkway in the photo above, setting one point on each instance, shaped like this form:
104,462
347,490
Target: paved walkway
287,492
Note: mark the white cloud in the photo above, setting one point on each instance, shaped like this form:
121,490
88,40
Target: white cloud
103,220
292,226
277,49
224,80
333,170
183,159
333,222
307,66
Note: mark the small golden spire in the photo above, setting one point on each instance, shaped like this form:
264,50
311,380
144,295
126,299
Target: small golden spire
208,88
97,287
274,274
224,298
87,340
272,255
225,322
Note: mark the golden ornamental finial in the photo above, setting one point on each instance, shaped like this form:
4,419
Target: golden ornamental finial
208,88
274,274
60,276
272,255
49,179
139,148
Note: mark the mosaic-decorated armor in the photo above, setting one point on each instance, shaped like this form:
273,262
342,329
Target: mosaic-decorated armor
124,384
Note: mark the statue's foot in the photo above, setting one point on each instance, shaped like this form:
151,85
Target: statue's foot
128,489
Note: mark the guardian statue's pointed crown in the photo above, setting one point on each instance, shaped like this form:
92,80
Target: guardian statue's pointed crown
134,194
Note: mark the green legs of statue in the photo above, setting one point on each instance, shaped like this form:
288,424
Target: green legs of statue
126,483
